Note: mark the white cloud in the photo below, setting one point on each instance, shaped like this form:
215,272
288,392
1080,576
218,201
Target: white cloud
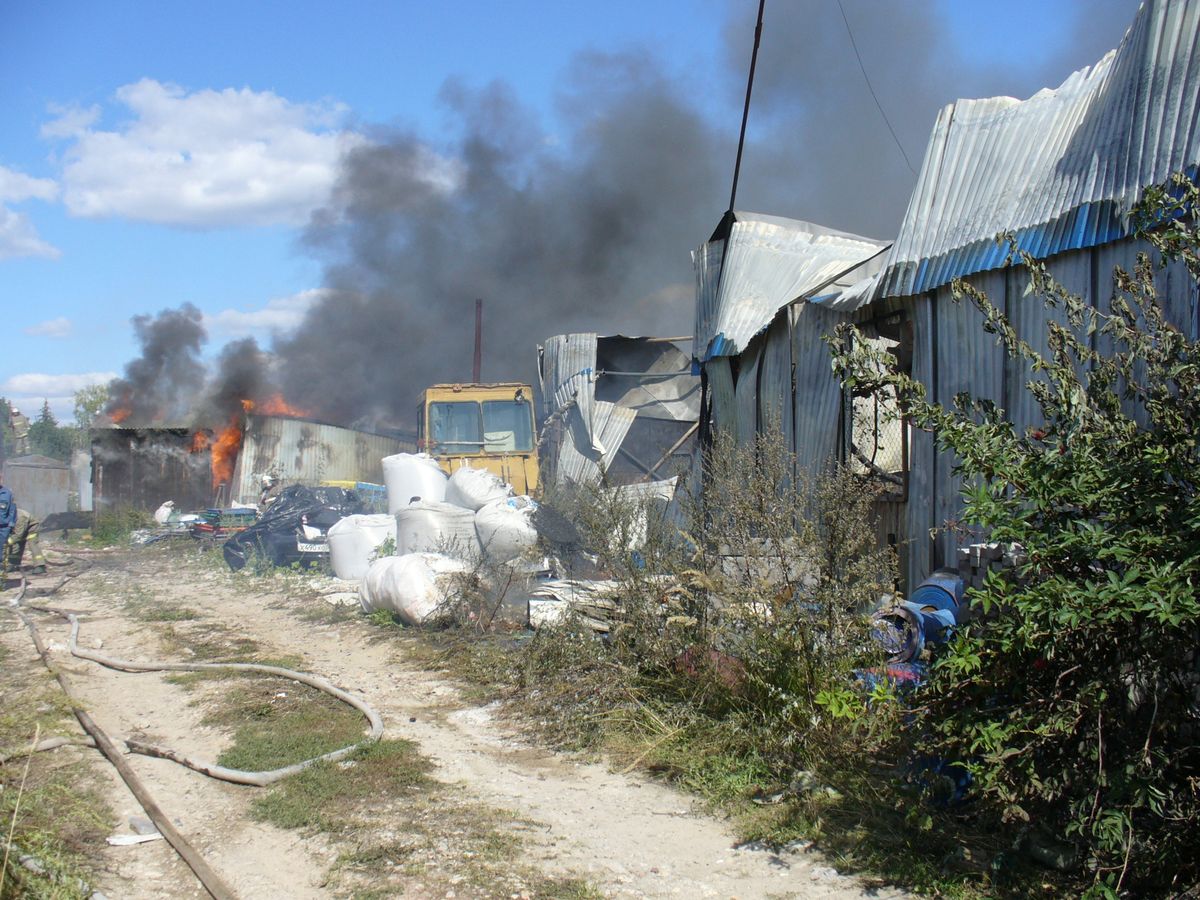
18,237
72,121
55,328
17,186
206,158
280,314
38,385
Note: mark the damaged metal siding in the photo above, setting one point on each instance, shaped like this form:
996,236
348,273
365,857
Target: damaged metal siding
1060,170
617,407
306,452
767,262
140,468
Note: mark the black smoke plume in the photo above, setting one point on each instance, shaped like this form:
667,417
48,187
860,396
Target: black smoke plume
169,384
160,386
589,226
589,232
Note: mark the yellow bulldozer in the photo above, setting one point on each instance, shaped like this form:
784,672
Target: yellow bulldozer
488,426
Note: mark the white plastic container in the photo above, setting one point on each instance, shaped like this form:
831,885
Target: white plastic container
354,541
437,528
412,586
505,528
408,475
475,488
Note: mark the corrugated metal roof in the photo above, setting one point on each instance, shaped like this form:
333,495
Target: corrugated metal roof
765,263
1060,170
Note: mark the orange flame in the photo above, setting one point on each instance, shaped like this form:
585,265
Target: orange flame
224,451
274,405
225,445
120,415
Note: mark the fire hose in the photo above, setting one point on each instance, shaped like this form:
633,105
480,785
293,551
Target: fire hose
211,881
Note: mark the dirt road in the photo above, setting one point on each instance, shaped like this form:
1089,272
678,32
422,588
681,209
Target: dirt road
624,835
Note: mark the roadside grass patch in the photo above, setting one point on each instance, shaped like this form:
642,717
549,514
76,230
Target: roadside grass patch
112,527
277,722
318,612
62,816
207,642
191,679
329,796
407,831
143,606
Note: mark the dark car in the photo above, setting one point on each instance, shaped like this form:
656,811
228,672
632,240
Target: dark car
293,528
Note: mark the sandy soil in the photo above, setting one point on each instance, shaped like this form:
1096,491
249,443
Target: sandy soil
629,836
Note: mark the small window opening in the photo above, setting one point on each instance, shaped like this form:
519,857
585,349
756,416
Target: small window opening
879,434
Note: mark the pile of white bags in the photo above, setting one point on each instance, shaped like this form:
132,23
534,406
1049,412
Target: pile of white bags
412,586
475,488
505,528
437,528
408,475
455,524
354,540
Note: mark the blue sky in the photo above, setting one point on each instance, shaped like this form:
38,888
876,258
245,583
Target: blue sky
154,154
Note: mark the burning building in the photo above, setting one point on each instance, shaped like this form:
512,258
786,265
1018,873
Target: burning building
139,468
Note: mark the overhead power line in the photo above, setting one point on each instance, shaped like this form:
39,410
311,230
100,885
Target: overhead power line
737,166
867,79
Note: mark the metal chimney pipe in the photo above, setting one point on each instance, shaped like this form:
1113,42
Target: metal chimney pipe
478,341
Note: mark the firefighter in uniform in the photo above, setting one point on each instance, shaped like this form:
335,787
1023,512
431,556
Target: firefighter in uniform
24,536
8,519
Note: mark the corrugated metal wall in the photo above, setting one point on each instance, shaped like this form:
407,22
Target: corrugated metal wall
788,368
140,468
952,353
304,452
39,485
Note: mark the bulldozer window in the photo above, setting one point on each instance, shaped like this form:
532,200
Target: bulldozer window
507,426
455,427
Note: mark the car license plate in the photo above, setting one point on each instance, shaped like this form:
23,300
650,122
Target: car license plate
311,548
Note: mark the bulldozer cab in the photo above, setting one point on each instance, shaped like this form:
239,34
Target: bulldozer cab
488,426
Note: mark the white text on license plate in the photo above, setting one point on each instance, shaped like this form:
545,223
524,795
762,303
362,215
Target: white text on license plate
311,548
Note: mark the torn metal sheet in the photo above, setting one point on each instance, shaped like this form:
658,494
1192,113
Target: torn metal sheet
617,407
766,263
1061,170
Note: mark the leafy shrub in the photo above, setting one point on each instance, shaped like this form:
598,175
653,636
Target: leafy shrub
1075,699
749,605
113,526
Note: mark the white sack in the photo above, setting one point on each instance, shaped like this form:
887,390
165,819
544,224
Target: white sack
437,528
162,515
408,475
474,488
411,586
505,528
353,542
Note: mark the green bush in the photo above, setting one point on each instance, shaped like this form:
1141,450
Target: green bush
113,526
1074,700
748,606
